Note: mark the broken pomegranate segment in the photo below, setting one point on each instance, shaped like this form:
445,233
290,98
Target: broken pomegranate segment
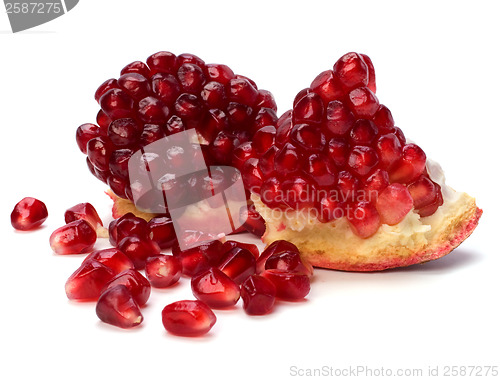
215,288
163,271
135,282
188,318
113,258
118,307
73,238
258,295
88,281
28,214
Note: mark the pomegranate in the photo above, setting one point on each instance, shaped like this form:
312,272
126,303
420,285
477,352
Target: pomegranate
188,318
73,238
215,288
258,295
118,307
163,271
28,214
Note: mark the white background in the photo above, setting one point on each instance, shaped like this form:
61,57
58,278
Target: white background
437,66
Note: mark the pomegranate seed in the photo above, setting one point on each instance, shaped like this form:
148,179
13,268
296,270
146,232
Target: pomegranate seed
338,151
103,121
242,153
118,162
239,114
363,132
162,231
289,286
339,119
29,213
371,72
165,87
138,286
152,111
298,192
83,211
383,119
330,208
88,281
163,271
264,139
307,138
212,251
348,186
327,86
411,165
113,258
162,62
389,150
230,244
423,191
99,150
321,170
214,95
136,67
363,102
375,183
252,176
238,263
215,288
73,238
270,192
287,160
136,85
252,221
242,91
258,295
266,162
188,106
124,132
84,133
191,77
126,226
362,160
394,203
352,71
364,219
138,249
193,261
219,73
284,129
221,148
432,207
309,109
265,117
116,103
105,87
277,246
289,261
188,318
117,307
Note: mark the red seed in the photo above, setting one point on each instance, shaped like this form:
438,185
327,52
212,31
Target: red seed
394,203
307,138
277,246
371,72
363,219
126,226
389,150
193,261
124,132
327,86
252,221
309,109
352,71
162,62
113,258
138,249
29,213
105,87
362,160
289,261
88,281
363,102
410,166
258,295
84,133
136,67
188,318
423,191
263,139
83,211
136,85
230,244
215,288
116,103
163,271
161,230
73,238
117,307
238,263
138,286
270,192
242,91
289,286
339,119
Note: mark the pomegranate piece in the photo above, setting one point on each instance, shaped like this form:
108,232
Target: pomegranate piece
238,263
73,238
252,221
138,285
215,288
289,286
394,203
113,258
161,230
83,211
117,307
188,318
163,271
258,294
29,213
277,246
138,249
289,261
88,281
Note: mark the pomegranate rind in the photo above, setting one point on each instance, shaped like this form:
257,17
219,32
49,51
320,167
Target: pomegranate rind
123,206
323,245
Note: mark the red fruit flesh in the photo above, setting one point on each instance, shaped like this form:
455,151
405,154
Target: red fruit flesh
84,134
216,289
258,294
188,318
289,261
28,214
138,286
113,258
73,238
161,230
289,286
364,219
128,225
238,263
117,307
230,244
252,221
394,203
277,247
163,271
139,249
83,211
88,281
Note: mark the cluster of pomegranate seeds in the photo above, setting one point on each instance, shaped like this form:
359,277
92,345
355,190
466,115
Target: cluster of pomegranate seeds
29,213
338,153
170,94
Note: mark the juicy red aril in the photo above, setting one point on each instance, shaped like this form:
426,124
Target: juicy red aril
375,183
394,203
432,207
266,161
363,102
118,162
215,288
363,132
330,208
383,119
193,261
307,138
298,192
165,87
309,109
338,150
263,139
138,286
28,214
83,211
162,62
264,117
230,244
214,95
118,185
126,226
258,294
163,271
286,160
73,238
117,307
84,133
289,261
88,281
327,86
136,67
238,264
352,71
289,286
205,254
242,91
136,85
105,87
389,150
277,246
191,77
362,160
339,119
363,219
242,153
239,114
348,186
116,103
422,191
113,258
124,132
219,73
252,176
321,170
284,128
161,230
138,249
371,72
222,147
188,106
152,110
99,150
410,166
252,221
188,318
103,121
